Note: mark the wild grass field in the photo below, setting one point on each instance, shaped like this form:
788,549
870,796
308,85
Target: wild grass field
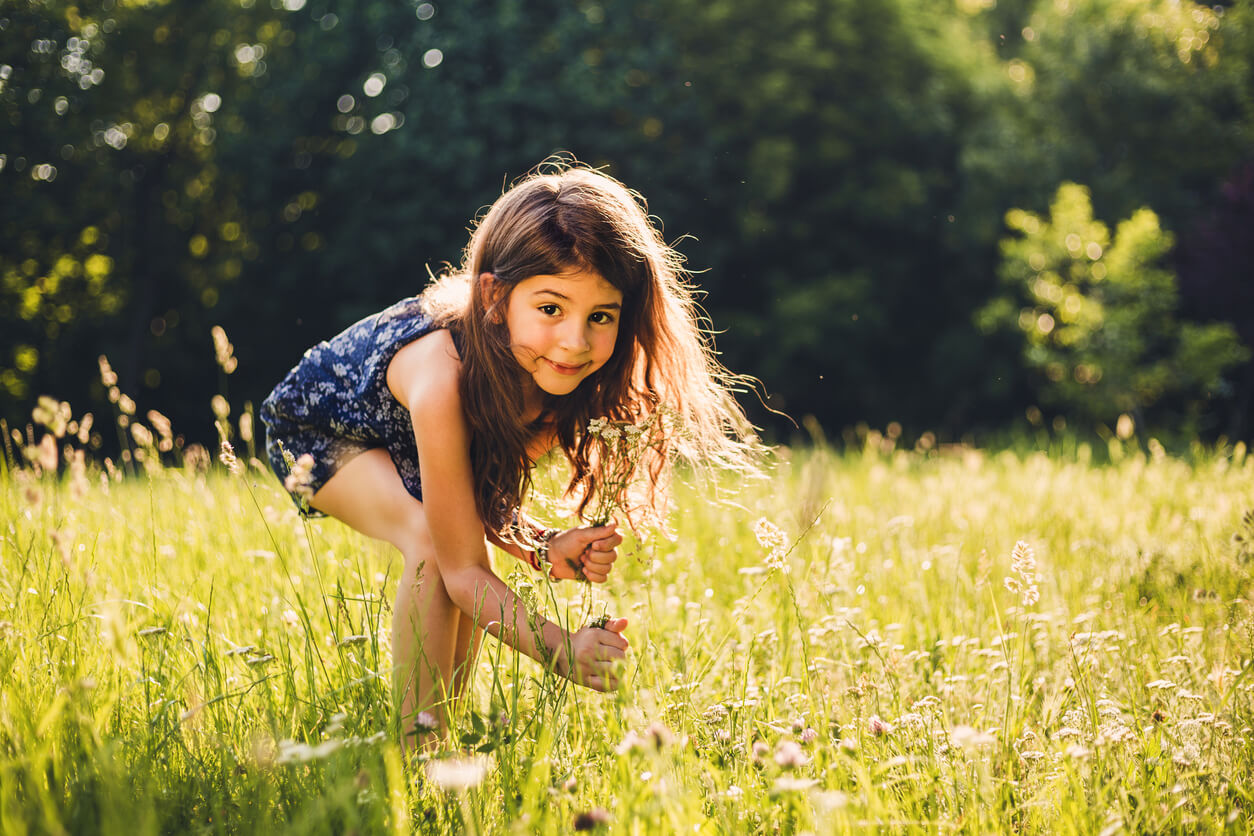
870,640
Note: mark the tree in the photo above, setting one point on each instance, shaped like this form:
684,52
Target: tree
120,232
1098,317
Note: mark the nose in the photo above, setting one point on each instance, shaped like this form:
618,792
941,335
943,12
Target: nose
574,338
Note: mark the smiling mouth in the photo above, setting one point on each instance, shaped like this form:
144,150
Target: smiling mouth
562,368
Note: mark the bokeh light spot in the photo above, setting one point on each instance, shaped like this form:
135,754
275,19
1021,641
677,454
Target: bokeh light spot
382,123
374,85
432,58
425,11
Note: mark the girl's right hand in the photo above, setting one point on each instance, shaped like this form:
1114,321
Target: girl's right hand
591,658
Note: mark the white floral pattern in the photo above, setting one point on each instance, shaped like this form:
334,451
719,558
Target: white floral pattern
335,403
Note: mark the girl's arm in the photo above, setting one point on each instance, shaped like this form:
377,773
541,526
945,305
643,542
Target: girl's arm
457,532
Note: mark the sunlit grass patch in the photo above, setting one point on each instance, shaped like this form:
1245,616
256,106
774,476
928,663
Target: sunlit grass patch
832,649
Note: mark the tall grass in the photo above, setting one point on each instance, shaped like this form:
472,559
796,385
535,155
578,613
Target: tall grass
181,652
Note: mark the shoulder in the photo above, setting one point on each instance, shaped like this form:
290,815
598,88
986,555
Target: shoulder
426,372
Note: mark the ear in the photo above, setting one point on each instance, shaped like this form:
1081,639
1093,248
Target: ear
492,293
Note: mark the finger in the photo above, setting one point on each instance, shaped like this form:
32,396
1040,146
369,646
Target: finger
596,576
616,625
606,544
600,683
614,640
599,532
608,654
601,561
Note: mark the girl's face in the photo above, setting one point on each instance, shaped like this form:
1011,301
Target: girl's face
563,328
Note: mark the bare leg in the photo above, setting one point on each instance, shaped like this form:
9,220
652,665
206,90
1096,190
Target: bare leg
465,653
432,640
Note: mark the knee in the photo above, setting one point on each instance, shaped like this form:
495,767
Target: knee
421,572
410,534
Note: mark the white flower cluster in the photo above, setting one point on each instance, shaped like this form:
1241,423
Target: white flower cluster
624,445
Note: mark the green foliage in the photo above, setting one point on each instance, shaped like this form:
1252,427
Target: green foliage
114,124
1099,314
1147,103
826,208
283,168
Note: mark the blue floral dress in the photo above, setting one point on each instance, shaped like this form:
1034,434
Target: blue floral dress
335,403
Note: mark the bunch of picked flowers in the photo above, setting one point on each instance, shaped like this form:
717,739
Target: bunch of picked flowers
623,447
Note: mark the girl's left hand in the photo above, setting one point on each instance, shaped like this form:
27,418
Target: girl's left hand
590,551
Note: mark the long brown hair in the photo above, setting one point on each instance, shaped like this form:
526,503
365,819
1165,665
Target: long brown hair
564,217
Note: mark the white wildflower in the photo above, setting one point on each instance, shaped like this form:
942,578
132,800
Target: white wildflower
771,538
787,783
630,743
968,737
458,774
293,752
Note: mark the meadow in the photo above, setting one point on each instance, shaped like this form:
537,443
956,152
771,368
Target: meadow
1052,638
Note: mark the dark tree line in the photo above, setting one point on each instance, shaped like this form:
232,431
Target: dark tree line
843,170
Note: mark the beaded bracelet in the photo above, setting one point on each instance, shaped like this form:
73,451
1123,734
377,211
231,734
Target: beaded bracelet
541,553
538,557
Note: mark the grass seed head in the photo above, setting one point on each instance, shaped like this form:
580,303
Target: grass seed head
227,456
300,480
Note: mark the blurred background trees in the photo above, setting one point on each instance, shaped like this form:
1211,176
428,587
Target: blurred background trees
844,172
1097,314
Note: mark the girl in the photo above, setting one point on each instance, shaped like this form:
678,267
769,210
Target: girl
419,425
